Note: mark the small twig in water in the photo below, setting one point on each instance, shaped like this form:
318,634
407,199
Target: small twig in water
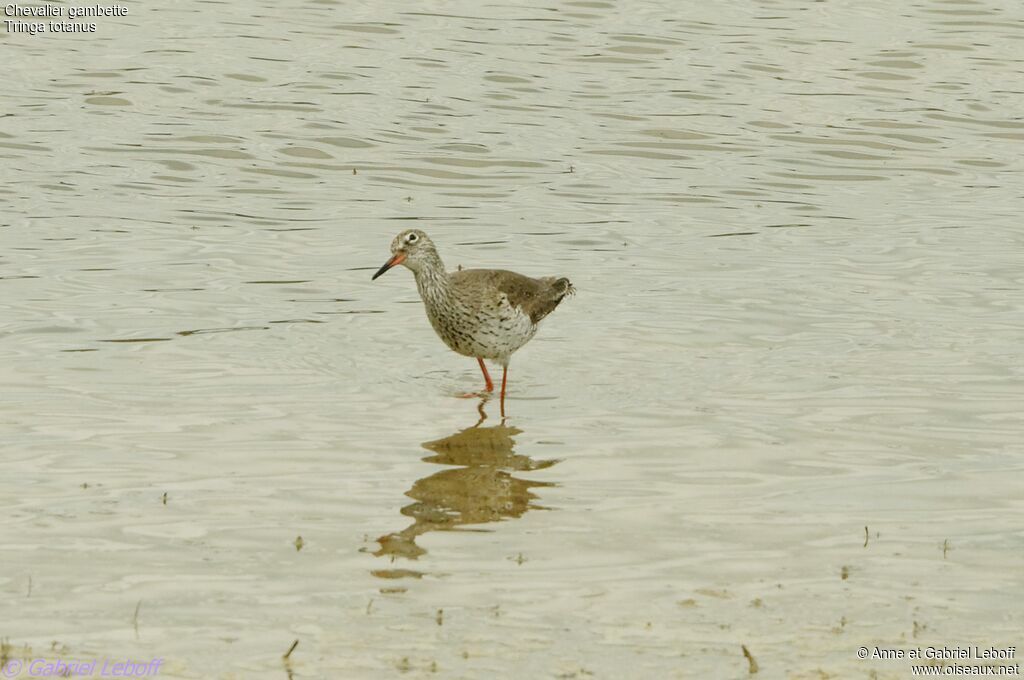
290,650
750,660
135,619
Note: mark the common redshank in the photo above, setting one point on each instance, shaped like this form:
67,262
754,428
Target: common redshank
480,313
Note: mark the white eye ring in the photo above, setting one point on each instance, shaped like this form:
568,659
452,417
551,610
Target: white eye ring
411,238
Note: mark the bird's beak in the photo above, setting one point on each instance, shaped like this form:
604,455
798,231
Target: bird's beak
397,258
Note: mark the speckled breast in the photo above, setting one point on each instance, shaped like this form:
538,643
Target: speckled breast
489,331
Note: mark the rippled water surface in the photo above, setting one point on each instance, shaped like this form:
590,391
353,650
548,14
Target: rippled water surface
783,411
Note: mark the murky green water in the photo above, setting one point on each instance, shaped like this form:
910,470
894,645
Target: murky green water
783,411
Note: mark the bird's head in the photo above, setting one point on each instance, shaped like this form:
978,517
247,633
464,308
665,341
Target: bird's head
411,248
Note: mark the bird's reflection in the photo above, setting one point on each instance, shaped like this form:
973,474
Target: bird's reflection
482,488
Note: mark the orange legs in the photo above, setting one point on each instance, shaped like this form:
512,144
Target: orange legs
487,377
504,379
490,384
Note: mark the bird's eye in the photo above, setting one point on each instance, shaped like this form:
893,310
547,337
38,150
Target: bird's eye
412,238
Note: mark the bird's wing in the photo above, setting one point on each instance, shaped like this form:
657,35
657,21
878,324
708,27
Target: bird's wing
534,297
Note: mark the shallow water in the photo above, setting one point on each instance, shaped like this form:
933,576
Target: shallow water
782,412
